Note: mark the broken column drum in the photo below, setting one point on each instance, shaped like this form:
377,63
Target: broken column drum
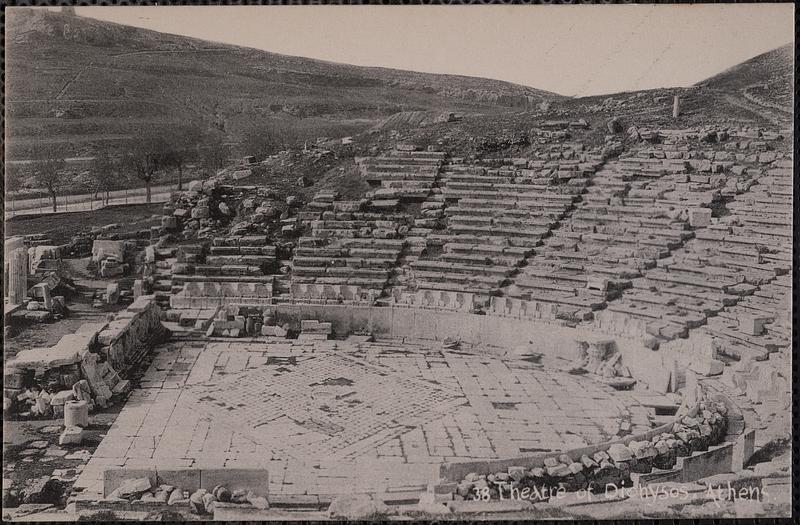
17,276
43,291
76,414
676,106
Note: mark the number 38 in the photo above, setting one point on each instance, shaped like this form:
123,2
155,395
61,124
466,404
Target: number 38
481,494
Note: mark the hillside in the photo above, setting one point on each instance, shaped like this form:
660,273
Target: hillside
764,83
756,92
86,84
83,83
774,66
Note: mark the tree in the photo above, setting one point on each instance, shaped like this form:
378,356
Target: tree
181,146
16,177
261,141
214,154
106,173
145,158
48,173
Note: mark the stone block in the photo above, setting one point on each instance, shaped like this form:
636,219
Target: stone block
176,497
110,268
743,449
76,414
169,222
516,473
103,249
619,453
184,479
62,397
251,480
121,388
597,283
708,367
132,487
112,293
138,288
752,325
356,507
699,217
200,212
113,478
71,436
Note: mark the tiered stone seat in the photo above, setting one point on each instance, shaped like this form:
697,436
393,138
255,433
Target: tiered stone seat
238,269
312,211
638,210
402,174
241,250
437,299
722,267
496,213
322,293
165,258
608,240
247,258
353,244
761,251
205,295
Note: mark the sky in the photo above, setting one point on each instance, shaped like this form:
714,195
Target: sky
573,50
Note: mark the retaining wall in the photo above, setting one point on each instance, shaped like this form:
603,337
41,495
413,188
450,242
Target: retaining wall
132,333
99,350
552,338
721,451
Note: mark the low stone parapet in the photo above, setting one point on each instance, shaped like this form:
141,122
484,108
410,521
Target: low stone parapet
690,447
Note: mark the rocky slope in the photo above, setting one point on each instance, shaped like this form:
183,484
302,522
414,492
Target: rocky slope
85,83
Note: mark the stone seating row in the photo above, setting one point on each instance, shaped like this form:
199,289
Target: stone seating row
239,240
223,261
347,252
540,198
484,213
469,280
536,309
227,262
489,216
612,234
402,193
399,176
243,250
738,345
365,283
339,271
179,279
487,249
392,164
522,243
406,188
435,299
496,207
437,266
227,270
341,261
475,206
417,154
347,218
396,160
699,282
516,233
337,292
211,294
567,294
